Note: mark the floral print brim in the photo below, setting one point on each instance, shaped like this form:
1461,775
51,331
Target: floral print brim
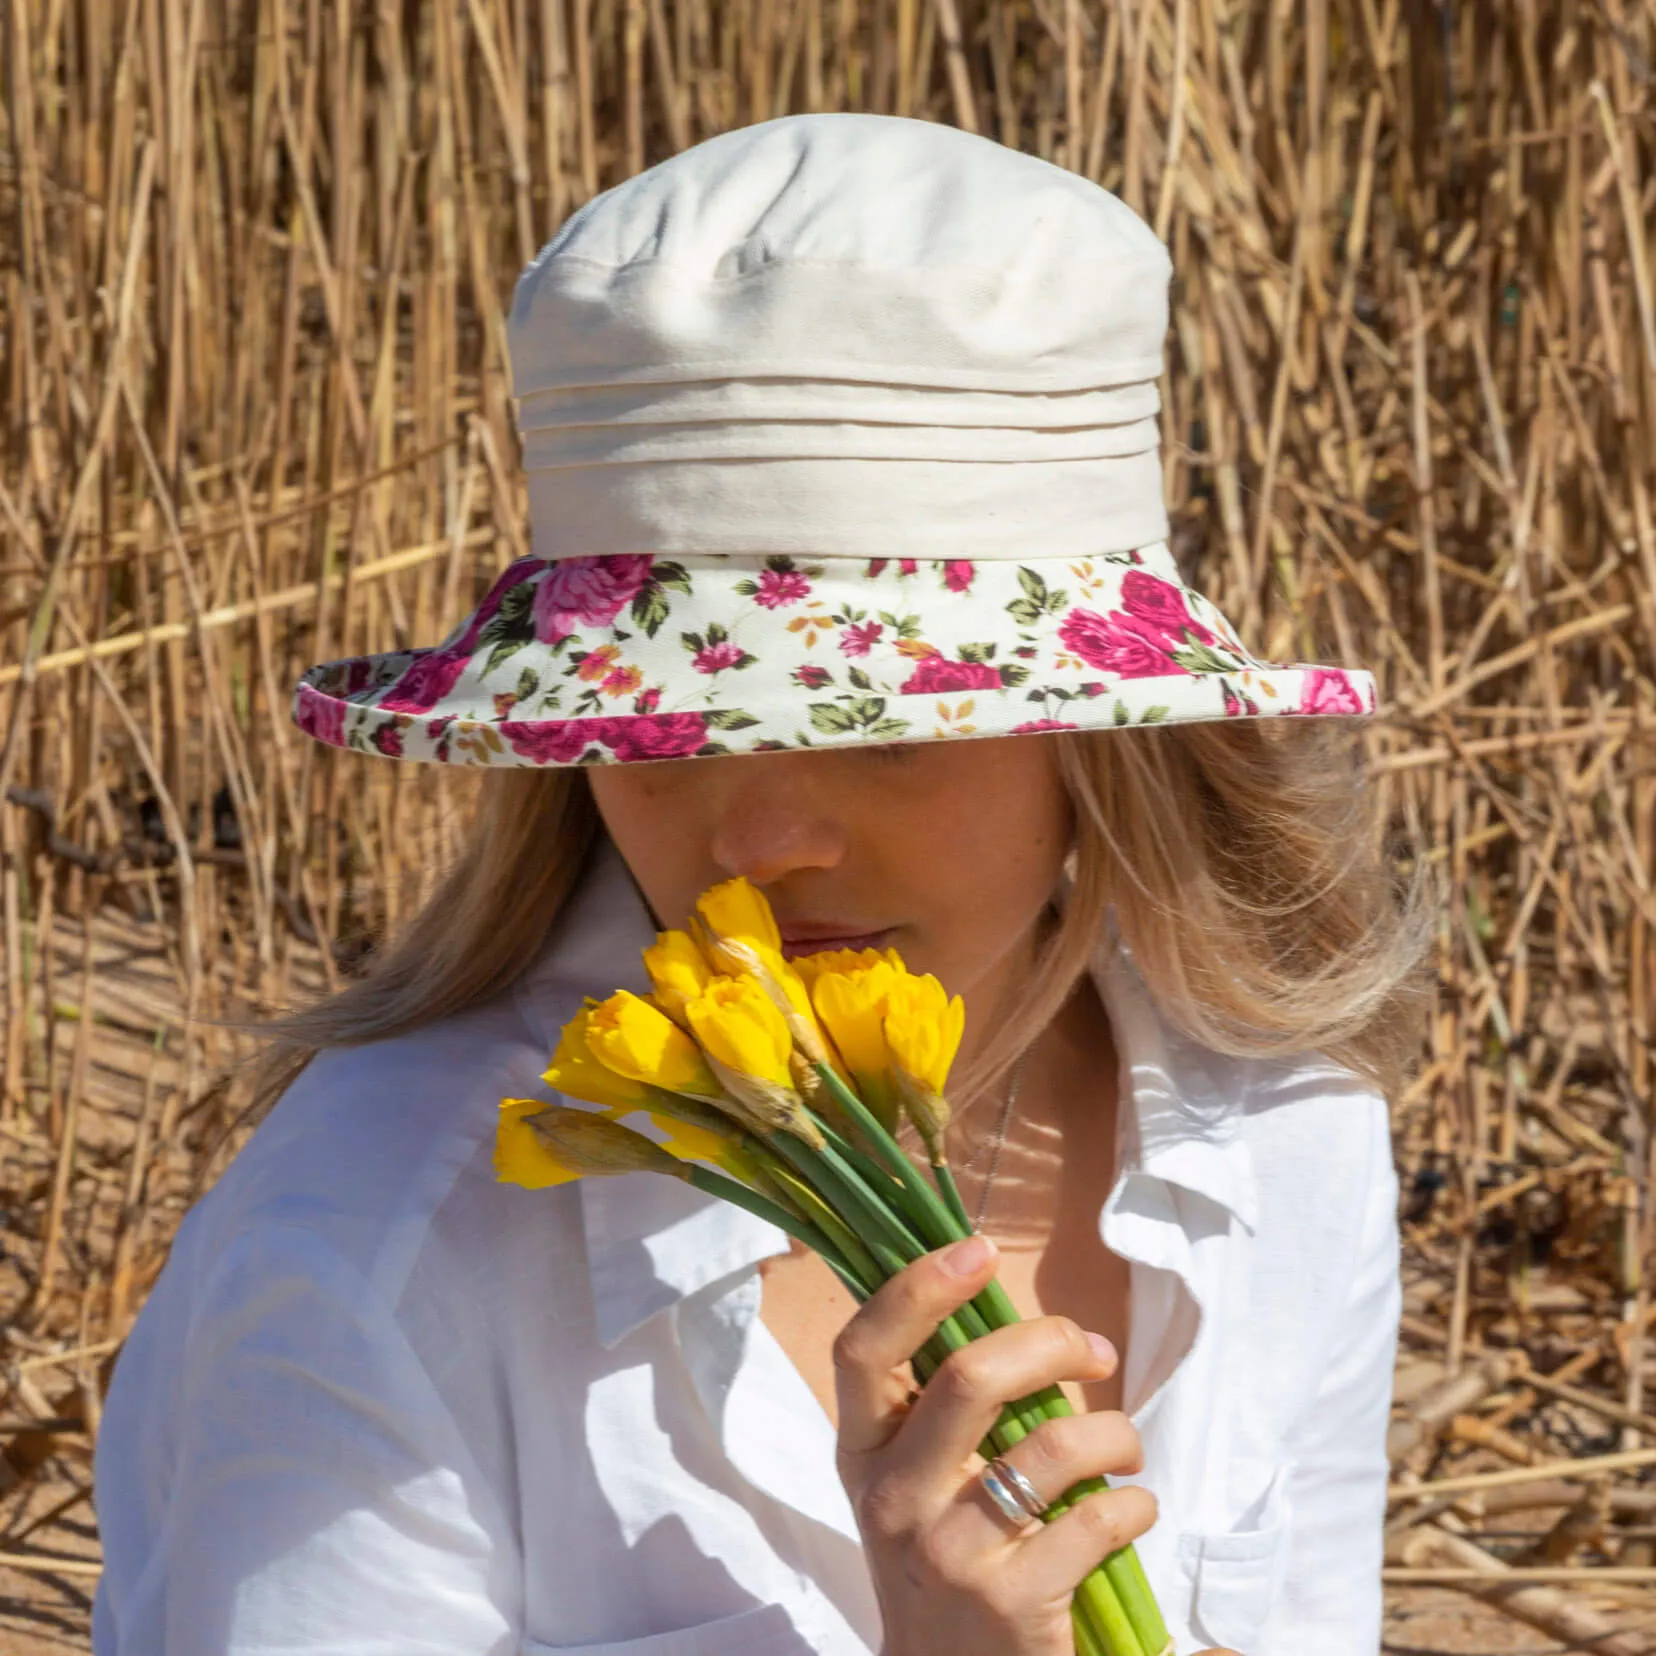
625,658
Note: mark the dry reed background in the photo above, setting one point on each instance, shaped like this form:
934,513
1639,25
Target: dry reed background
252,273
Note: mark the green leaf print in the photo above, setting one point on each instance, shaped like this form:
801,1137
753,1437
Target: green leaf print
831,719
1200,658
649,608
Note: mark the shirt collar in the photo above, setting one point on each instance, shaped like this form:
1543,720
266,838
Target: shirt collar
652,1241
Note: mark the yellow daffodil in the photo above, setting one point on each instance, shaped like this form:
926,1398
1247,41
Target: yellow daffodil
751,1051
811,966
851,1002
576,1072
737,933
639,1041
923,1028
739,910
677,971
520,1158
736,1023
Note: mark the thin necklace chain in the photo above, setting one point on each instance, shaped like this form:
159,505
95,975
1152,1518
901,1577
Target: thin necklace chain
997,1141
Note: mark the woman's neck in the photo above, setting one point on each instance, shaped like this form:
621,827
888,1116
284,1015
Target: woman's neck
1059,1145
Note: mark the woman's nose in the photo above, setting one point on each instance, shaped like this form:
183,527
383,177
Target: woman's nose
767,832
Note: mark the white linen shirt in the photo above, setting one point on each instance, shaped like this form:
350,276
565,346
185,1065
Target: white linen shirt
379,1404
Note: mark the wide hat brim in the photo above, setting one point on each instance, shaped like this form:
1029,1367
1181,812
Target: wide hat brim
625,659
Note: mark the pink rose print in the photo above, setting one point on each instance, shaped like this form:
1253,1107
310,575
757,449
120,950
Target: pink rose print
858,640
958,574
587,592
432,675
1104,641
1150,599
1328,690
622,682
780,587
936,672
1233,706
320,716
908,566
648,700
1036,725
812,678
358,677
558,742
389,740
715,658
655,736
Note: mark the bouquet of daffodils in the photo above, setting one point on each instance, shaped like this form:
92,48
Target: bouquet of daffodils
780,1085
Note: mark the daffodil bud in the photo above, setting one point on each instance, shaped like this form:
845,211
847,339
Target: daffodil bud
686,1140
594,1146
639,1041
520,1157
928,1110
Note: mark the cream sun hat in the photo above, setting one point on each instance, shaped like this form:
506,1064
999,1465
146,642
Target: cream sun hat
838,428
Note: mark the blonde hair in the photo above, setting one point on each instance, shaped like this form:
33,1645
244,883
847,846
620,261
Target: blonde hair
1246,862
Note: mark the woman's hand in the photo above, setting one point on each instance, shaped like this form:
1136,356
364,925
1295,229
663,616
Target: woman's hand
950,1572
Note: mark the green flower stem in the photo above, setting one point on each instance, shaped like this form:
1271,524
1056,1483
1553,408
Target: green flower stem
1087,1640
885,1236
876,1175
939,1225
1123,1567
729,1190
826,1218
943,1174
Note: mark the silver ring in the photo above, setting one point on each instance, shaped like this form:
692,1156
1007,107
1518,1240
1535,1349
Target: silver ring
1009,1504
1028,1497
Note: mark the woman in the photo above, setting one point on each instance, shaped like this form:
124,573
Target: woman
841,442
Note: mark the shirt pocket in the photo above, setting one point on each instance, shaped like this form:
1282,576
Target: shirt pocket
765,1630
1236,1574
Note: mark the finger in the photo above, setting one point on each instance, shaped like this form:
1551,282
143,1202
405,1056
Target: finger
1059,1556
873,1349
963,1400
1055,1457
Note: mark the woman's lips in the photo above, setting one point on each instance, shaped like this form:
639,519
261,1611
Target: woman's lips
806,940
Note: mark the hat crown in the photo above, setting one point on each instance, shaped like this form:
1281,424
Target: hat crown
875,192
846,245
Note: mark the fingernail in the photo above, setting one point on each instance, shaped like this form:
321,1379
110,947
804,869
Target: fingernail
969,1257
1102,1349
